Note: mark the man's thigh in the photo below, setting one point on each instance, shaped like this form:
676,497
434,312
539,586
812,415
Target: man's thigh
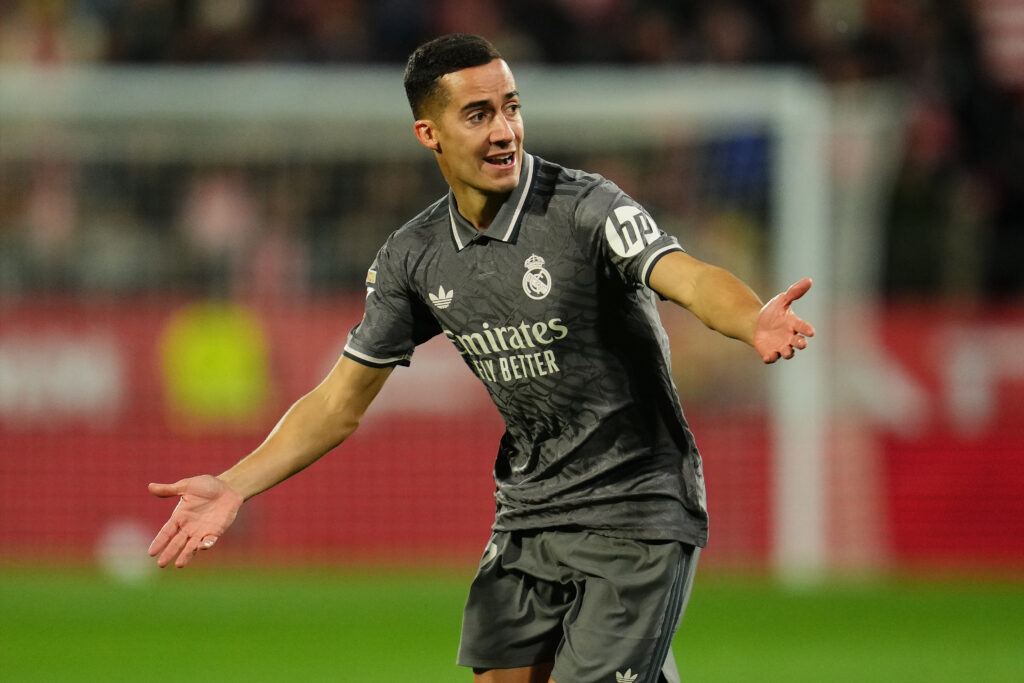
602,609
513,618
621,625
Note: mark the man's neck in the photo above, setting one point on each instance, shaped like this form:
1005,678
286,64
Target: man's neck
479,208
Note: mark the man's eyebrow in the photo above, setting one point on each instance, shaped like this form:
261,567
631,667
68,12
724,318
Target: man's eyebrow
475,104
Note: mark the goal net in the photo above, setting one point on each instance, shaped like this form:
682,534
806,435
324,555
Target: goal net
183,253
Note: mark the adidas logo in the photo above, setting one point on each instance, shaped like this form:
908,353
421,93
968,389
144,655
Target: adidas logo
628,677
442,299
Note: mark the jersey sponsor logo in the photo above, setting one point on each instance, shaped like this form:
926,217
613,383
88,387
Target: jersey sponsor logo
537,280
442,299
511,353
628,677
524,336
629,229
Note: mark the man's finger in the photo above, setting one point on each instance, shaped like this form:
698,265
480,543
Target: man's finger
173,549
804,328
162,538
187,553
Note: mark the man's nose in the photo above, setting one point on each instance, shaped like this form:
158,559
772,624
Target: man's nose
502,131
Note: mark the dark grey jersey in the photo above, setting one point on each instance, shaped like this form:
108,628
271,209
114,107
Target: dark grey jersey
550,308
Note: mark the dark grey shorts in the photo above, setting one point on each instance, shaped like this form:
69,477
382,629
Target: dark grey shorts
601,608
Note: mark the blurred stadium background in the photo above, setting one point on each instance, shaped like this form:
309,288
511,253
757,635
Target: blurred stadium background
190,194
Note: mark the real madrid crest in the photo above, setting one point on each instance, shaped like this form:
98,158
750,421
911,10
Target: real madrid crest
537,280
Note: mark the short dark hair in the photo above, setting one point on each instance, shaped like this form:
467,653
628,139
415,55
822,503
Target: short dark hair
440,56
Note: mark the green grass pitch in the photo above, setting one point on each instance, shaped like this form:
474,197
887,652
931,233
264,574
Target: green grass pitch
239,624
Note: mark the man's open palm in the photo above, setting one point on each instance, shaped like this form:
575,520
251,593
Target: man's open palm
780,333
207,508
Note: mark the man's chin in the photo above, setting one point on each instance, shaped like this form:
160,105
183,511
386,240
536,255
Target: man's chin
504,188
502,183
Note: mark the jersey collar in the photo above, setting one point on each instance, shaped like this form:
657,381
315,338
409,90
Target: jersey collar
505,225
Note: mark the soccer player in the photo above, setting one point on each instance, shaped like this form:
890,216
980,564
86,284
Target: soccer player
545,280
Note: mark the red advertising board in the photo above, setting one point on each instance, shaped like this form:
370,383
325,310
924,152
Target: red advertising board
97,399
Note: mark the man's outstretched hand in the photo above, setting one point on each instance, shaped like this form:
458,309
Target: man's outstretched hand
207,508
780,333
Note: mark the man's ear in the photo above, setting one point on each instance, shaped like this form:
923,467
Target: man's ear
426,133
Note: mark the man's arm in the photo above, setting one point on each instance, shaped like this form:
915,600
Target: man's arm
315,424
725,304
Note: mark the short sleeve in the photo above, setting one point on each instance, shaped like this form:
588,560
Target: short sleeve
394,320
627,237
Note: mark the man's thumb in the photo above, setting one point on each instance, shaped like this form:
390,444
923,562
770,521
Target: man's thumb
167,490
798,289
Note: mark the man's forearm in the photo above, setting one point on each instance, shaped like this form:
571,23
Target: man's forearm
717,297
315,424
725,304
303,435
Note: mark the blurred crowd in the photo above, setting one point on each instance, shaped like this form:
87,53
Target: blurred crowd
958,196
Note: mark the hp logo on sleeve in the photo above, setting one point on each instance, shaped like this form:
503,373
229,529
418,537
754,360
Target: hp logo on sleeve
628,230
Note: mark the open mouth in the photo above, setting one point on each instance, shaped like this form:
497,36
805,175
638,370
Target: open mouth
504,160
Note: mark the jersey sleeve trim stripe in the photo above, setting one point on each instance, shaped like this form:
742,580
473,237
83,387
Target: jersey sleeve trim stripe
645,273
374,362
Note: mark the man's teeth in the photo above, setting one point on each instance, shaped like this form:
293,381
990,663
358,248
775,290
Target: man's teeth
501,161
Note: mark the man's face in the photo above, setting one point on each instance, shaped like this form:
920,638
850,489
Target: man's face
479,132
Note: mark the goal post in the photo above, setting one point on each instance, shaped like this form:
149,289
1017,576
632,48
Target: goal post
265,115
